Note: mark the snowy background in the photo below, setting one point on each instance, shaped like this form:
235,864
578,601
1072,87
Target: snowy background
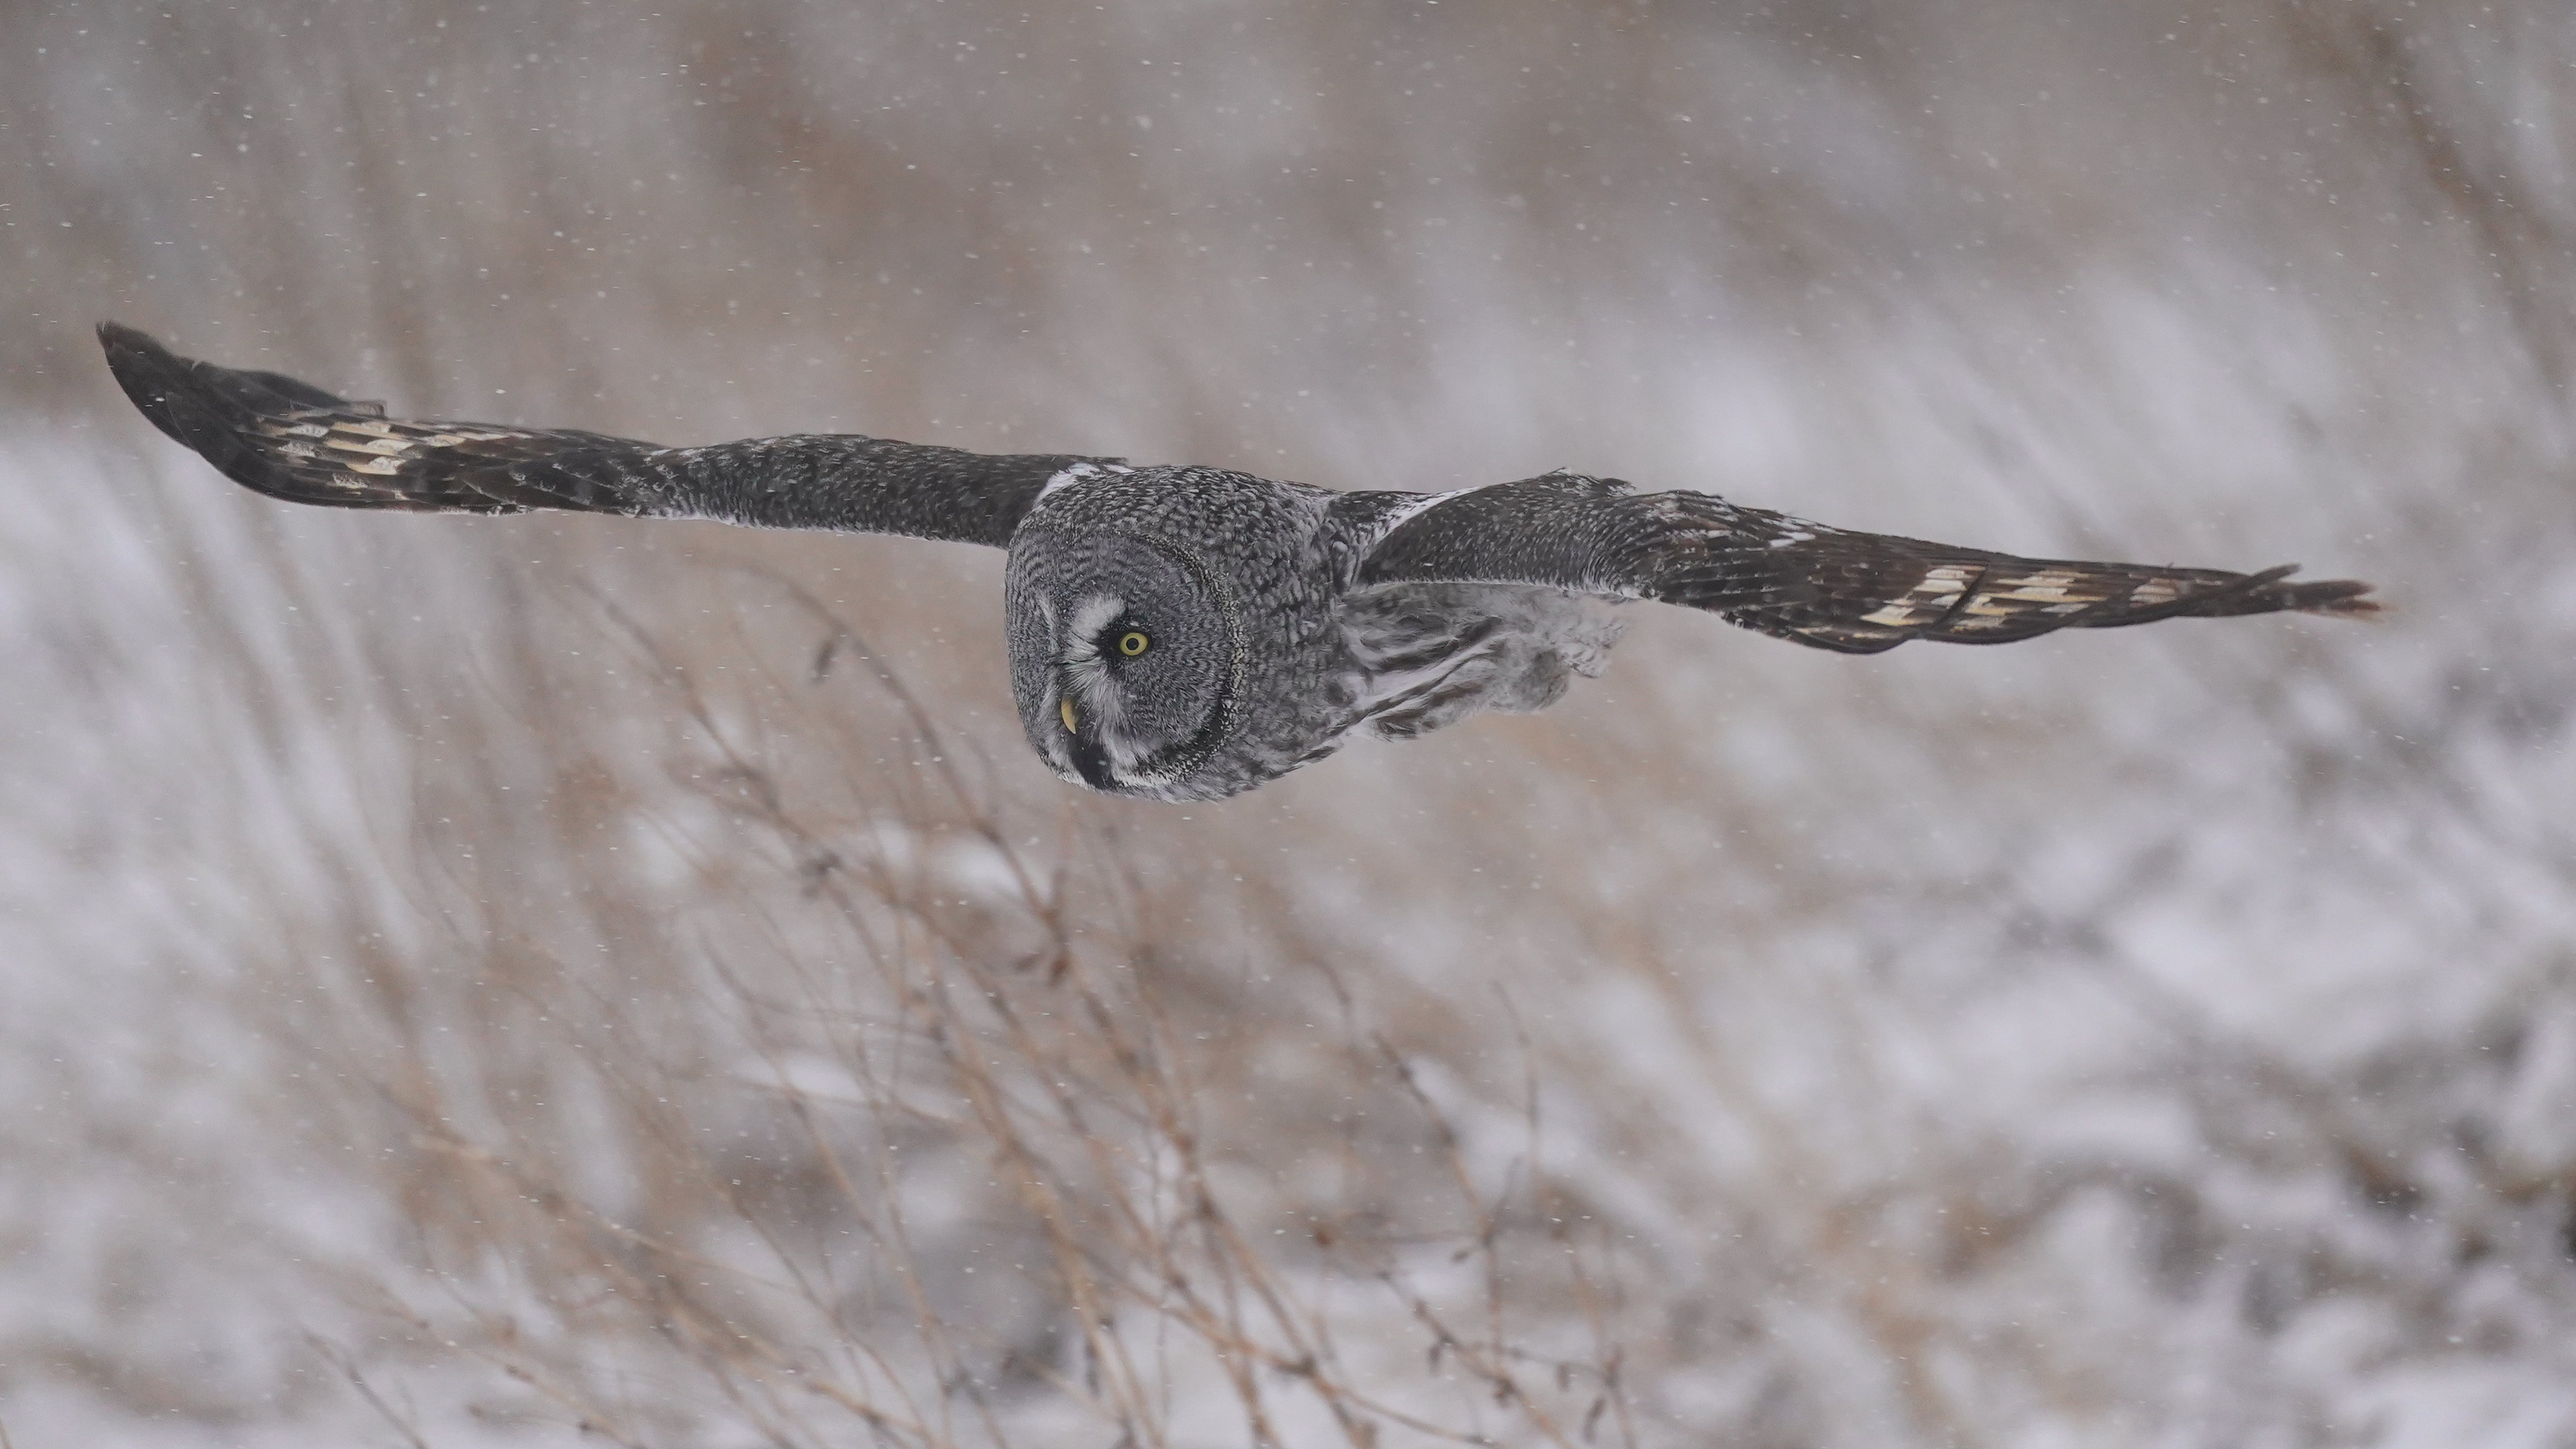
475,982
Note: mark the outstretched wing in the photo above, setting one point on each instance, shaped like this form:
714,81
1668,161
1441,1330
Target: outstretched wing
1858,593
291,440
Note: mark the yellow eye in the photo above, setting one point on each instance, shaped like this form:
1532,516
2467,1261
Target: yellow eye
1133,643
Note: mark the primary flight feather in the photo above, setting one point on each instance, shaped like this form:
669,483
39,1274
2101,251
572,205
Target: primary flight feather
1187,633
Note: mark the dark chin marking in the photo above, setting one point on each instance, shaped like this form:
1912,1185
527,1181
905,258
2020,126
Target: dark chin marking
1091,762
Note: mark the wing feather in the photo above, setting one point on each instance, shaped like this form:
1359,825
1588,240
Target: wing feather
1830,588
292,440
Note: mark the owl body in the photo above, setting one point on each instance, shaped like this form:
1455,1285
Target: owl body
1187,633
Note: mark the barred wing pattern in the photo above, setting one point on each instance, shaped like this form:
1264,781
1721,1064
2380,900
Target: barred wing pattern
1855,593
291,440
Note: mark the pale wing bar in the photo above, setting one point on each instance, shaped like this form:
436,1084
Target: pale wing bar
291,440
1856,593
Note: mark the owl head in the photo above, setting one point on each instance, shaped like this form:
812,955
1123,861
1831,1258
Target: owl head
1127,660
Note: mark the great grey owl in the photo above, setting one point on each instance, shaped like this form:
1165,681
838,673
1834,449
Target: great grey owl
1187,633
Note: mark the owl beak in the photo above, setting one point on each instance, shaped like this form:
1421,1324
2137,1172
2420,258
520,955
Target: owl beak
1089,757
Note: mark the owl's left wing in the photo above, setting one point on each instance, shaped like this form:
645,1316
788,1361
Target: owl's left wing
1857,593
292,440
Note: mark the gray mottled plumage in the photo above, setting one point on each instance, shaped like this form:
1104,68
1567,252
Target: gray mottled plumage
1188,633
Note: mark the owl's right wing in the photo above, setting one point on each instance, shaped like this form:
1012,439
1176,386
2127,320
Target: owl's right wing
1830,588
291,440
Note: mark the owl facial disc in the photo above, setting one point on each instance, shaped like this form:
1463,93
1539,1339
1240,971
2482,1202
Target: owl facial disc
1123,659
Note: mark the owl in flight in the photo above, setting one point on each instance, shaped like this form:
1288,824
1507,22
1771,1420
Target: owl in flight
1186,633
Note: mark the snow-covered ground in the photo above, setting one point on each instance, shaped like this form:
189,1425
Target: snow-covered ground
463,982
